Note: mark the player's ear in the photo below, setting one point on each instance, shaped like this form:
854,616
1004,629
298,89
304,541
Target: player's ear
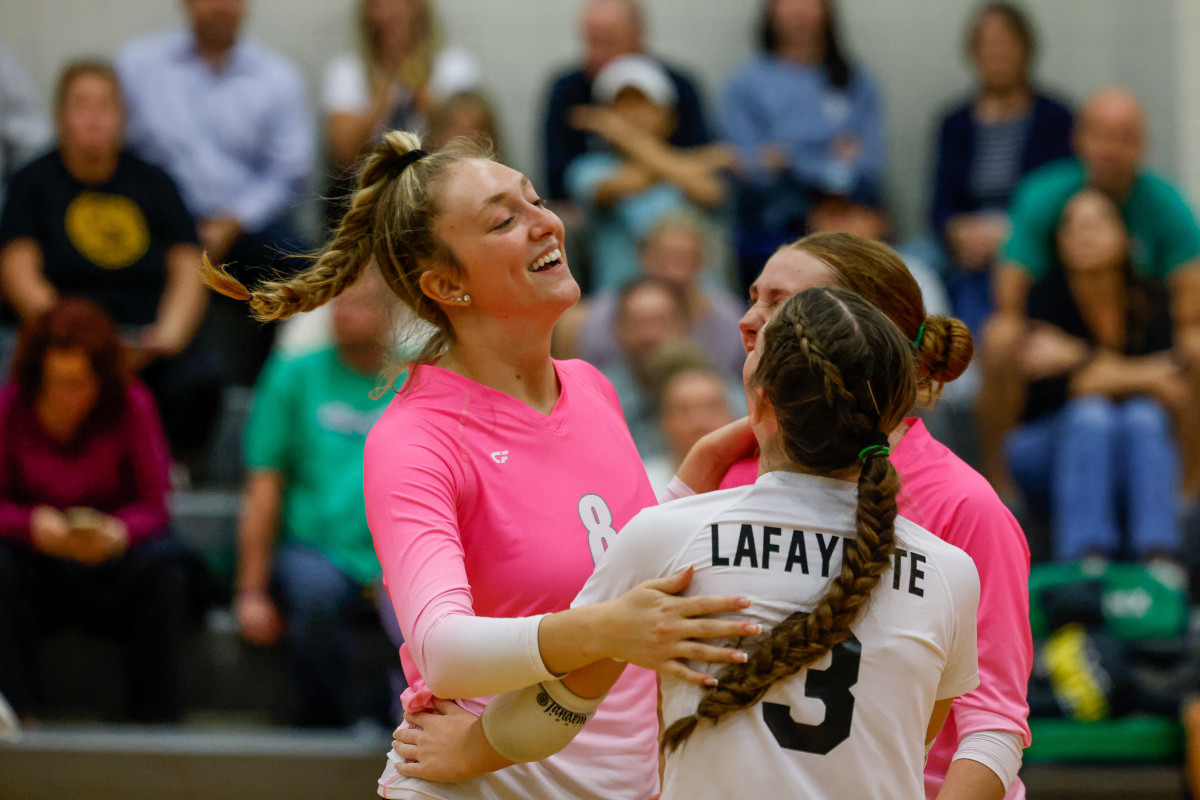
760,409
443,288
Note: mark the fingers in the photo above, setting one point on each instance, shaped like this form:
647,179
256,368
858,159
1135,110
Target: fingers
711,604
717,629
405,735
677,669
672,584
408,752
410,769
696,651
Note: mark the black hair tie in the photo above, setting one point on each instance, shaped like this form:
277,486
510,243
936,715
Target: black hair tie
408,159
874,445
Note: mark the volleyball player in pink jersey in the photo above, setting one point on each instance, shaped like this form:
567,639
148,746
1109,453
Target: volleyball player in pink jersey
497,476
979,750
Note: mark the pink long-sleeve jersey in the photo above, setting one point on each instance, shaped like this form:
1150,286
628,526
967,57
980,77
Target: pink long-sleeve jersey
942,494
480,505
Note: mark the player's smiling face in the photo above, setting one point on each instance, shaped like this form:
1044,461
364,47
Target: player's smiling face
786,274
509,244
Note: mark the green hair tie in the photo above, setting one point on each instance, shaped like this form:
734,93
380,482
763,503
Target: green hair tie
920,337
872,450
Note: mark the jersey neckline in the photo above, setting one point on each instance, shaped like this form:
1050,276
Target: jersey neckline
552,421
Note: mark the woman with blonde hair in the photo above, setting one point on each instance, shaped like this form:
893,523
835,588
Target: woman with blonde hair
399,73
497,477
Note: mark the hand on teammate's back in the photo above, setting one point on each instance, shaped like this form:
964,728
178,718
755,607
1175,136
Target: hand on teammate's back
653,628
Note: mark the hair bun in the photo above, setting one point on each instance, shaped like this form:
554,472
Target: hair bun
394,152
945,349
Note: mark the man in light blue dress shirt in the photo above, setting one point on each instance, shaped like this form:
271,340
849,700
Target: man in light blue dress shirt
229,120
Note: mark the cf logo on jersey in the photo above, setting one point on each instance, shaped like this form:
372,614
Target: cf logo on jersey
500,456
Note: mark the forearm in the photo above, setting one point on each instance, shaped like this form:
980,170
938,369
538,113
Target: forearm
184,299
694,179
573,639
258,529
625,182
461,655
22,281
1114,376
144,520
969,780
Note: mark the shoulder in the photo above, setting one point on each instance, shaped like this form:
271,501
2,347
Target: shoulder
140,407
953,565
953,500
585,375
1052,108
413,421
153,47
142,170
1064,175
956,119
270,64
745,75
660,530
862,80
37,170
571,80
1046,189
1156,188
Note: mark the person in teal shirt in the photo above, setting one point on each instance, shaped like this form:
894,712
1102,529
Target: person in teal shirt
305,556
1110,141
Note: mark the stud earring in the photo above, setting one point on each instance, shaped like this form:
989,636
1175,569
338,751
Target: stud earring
462,299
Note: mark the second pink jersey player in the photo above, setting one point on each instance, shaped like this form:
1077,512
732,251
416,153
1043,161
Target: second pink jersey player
942,494
479,505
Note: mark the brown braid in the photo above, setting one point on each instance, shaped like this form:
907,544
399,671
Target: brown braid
878,274
835,372
390,222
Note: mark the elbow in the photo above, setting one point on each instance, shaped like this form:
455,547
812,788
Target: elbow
441,682
710,196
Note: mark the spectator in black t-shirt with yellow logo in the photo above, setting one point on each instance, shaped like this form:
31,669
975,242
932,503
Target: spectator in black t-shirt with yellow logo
92,220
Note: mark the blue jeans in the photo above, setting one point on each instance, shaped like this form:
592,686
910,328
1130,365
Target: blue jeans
1092,459
320,603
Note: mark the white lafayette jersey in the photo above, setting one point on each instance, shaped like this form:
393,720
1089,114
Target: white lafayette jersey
853,724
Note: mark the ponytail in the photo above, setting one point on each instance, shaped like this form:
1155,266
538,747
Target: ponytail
390,222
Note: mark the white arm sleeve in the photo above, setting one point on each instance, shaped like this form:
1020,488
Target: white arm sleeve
999,751
675,490
469,656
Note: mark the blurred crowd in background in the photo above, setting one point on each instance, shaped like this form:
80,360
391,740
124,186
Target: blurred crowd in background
128,386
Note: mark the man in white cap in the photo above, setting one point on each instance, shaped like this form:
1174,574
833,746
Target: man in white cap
640,176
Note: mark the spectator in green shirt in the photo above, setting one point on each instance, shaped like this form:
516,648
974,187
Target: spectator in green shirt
1110,147
305,557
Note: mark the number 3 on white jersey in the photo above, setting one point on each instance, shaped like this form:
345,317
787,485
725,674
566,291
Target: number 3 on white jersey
597,519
